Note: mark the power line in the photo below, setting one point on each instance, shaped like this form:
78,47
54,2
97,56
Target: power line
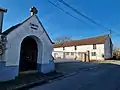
116,33
66,12
75,10
81,14
86,17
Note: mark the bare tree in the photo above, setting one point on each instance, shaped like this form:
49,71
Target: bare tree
116,53
115,50
62,39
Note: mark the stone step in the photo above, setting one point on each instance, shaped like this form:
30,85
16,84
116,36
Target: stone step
30,74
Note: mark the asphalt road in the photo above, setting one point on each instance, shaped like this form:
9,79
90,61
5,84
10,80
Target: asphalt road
101,77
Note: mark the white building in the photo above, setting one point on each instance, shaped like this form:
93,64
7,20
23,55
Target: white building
97,48
23,47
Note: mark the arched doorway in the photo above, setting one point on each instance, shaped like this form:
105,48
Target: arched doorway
28,55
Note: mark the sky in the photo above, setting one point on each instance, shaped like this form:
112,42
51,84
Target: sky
57,23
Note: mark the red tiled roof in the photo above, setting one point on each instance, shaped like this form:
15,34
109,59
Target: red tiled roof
88,41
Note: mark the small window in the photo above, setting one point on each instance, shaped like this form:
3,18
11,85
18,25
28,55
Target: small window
75,48
93,53
67,53
79,53
55,54
94,46
72,53
63,48
103,55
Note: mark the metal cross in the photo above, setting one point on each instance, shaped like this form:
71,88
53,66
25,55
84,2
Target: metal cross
33,10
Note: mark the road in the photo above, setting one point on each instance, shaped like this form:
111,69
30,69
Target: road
93,77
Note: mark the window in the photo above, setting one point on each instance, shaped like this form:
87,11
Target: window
94,46
75,48
67,53
63,48
72,53
79,53
55,54
93,53
103,55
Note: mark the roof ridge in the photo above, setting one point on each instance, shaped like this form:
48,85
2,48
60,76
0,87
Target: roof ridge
6,32
86,41
86,38
15,26
95,37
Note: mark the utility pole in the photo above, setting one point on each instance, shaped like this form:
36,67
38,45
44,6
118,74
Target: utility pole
110,35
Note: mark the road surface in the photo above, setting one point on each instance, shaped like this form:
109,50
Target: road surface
101,77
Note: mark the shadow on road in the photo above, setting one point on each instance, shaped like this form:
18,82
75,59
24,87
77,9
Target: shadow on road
70,66
85,76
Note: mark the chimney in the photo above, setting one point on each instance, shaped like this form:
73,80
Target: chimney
1,18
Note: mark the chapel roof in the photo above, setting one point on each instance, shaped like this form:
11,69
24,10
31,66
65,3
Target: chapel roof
9,30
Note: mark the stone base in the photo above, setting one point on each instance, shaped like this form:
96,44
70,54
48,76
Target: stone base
46,68
8,73
2,64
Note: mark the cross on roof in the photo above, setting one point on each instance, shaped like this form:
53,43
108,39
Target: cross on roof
33,10
2,9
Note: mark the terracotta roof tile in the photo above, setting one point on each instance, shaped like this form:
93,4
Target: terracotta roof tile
88,41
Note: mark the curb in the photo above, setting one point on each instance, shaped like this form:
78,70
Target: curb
50,79
39,82
25,86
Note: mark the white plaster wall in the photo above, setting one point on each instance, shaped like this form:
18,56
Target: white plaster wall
58,49
99,50
69,49
16,37
57,54
84,48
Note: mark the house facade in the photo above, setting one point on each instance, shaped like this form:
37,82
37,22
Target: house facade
96,48
25,47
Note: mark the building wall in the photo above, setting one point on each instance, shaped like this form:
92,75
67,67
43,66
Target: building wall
58,52
108,49
99,51
83,49
13,47
16,37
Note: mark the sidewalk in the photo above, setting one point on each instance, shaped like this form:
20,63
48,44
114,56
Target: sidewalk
65,68
112,61
28,80
117,62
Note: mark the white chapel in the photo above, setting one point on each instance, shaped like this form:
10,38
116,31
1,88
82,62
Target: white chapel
25,46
